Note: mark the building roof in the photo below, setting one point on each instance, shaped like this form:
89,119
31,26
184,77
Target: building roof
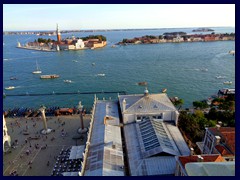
227,134
151,147
105,155
211,169
206,158
151,103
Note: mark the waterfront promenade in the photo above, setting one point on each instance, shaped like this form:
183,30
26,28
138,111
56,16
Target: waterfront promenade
25,158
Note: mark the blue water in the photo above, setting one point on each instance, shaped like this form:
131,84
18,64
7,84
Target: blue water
175,66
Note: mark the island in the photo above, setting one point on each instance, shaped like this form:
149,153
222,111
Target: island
177,37
69,43
202,30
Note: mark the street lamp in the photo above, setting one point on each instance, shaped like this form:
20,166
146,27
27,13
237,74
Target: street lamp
80,109
46,130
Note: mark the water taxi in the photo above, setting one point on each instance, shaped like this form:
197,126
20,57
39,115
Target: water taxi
9,87
51,76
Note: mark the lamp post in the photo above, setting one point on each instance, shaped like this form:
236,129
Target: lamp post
80,109
46,130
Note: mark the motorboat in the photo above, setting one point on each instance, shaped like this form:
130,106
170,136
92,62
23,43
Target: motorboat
164,90
100,74
37,71
13,78
232,52
67,81
93,64
220,77
227,82
9,87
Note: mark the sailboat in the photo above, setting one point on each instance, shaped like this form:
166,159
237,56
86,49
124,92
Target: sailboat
38,71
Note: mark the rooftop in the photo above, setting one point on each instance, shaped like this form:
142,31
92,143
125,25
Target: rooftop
105,154
150,103
152,146
206,158
227,134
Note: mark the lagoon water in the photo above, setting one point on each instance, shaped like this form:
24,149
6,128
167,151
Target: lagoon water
179,67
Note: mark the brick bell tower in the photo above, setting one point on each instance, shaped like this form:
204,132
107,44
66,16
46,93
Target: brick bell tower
58,35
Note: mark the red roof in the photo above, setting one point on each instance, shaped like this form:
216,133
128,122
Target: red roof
227,135
206,158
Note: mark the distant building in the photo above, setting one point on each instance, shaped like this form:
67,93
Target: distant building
219,140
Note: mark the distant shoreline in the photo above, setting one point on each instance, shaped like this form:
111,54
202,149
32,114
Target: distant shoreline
46,32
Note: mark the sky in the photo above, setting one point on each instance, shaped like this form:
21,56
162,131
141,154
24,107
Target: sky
22,17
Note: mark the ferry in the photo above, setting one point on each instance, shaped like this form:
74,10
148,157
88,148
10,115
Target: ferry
51,76
9,87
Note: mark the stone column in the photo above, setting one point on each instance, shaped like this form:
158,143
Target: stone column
46,130
80,109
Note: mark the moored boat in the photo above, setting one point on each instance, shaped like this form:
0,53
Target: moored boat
50,76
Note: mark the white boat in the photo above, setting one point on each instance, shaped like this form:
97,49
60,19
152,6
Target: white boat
232,52
164,90
220,77
100,74
227,82
50,76
67,81
9,87
38,71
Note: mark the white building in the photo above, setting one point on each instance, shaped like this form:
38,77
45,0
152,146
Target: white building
79,44
152,138
158,107
6,137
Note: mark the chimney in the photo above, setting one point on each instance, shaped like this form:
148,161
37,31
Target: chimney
218,126
217,142
124,103
192,151
199,158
